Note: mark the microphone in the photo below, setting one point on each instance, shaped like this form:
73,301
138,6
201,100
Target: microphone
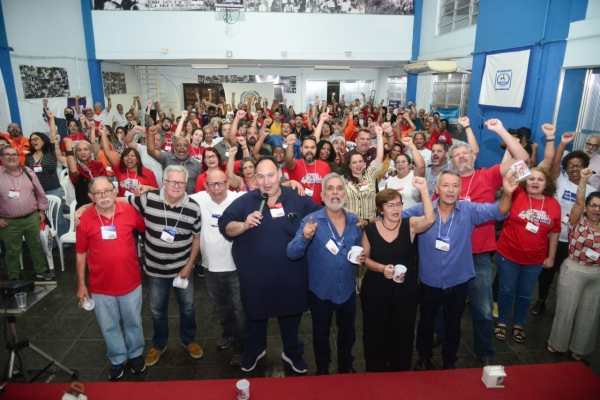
264,197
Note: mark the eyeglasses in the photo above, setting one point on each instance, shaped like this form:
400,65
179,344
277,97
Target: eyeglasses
210,157
593,206
571,166
592,145
391,206
106,193
220,184
175,183
10,155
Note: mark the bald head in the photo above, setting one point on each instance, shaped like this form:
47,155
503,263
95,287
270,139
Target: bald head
216,185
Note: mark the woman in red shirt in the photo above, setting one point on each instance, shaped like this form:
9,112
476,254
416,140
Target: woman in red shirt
211,161
196,149
527,244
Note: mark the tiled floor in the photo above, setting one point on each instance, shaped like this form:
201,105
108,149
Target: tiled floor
72,336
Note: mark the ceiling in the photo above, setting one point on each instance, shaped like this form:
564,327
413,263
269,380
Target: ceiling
266,63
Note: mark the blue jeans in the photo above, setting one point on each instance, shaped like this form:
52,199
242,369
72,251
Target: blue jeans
321,312
482,304
515,280
61,225
224,290
109,310
159,305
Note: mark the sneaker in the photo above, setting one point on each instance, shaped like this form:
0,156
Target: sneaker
116,372
199,270
153,356
237,359
46,275
224,342
298,365
249,362
495,311
195,350
137,365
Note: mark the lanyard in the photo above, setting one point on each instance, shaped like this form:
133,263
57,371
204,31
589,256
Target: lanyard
38,162
135,177
306,174
531,204
339,242
469,188
112,221
12,185
440,226
178,219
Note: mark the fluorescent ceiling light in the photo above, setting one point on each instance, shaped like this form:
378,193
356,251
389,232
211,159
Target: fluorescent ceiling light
215,66
332,67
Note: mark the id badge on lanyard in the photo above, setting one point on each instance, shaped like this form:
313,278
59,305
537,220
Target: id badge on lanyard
168,235
108,232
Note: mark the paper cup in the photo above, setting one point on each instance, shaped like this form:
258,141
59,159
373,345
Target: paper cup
399,273
88,304
243,389
180,283
354,253
21,300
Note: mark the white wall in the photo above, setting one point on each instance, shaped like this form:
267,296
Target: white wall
583,37
382,81
193,35
593,9
132,83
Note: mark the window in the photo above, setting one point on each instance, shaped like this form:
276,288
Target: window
397,89
457,14
452,90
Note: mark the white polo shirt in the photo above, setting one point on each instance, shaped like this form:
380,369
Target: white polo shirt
216,250
120,120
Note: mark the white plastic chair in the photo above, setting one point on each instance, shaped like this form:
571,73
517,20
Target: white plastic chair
52,214
68,237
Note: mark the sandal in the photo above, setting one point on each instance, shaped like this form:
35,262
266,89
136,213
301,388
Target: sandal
539,308
518,335
500,332
576,356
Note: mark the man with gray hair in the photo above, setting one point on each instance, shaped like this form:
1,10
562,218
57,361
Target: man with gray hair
591,148
107,247
325,237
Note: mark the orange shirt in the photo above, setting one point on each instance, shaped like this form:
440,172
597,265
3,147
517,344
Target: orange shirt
350,131
22,146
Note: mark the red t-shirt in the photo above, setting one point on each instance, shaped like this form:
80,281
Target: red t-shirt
77,138
128,180
443,137
310,176
201,180
198,153
516,242
168,144
113,264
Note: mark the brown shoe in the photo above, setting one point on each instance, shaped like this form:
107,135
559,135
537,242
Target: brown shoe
195,350
153,356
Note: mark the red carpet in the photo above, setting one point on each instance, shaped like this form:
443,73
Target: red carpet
569,380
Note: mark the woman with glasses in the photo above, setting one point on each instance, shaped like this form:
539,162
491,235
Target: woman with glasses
128,168
402,182
566,191
82,168
42,161
211,161
527,244
245,181
575,324
389,302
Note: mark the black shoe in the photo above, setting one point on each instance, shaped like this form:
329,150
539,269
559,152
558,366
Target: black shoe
199,270
138,365
347,370
46,276
116,372
485,362
449,365
424,364
323,371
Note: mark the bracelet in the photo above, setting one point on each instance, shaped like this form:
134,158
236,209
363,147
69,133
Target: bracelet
550,139
580,190
467,127
244,148
69,153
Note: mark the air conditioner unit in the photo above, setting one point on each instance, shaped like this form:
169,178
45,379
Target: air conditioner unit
433,67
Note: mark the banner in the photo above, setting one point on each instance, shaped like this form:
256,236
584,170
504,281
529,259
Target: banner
504,80
244,91
451,114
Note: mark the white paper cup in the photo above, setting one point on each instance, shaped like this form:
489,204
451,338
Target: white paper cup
354,253
180,283
399,273
21,300
88,304
243,389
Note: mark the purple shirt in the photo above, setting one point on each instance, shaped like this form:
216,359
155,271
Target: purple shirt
31,195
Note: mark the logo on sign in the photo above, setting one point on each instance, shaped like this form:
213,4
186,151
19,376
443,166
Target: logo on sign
503,79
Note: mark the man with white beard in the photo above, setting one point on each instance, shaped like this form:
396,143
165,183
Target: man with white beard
439,163
591,148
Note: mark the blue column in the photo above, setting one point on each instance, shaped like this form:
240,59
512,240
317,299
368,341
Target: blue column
7,73
411,85
94,65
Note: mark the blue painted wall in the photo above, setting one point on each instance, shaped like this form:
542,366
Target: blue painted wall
543,24
411,85
570,100
94,65
7,73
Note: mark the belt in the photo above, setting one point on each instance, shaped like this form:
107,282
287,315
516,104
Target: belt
23,217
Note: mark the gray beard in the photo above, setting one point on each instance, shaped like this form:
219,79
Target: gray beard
332,207
465,168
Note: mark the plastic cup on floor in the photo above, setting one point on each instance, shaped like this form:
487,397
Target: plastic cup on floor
21,300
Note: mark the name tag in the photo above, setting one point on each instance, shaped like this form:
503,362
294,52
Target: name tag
332,247
442,244
565,219
364,186
226,154
167,148
14,194
285,145
37,168
309,192
592,254
531,227
108,232
214,221
277,210
109,168
168,235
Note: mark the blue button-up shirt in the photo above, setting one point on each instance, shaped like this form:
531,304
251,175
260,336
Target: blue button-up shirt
277,140
330,277
446,269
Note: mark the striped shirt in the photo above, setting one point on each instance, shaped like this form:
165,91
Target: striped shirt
163,259
47,176
361,198
432,178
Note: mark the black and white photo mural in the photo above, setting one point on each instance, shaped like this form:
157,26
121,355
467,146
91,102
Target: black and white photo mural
387,7
114,82
44,82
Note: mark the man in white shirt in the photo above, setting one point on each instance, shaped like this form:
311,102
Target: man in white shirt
147,161
100,115
220,272
119,119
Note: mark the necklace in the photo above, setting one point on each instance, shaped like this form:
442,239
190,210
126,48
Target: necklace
393,229
593,226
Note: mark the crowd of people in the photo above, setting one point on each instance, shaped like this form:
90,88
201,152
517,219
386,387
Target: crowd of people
282,212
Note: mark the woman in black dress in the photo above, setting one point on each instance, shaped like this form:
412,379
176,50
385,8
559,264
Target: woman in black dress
389,306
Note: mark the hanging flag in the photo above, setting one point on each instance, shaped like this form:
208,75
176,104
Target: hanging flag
504,80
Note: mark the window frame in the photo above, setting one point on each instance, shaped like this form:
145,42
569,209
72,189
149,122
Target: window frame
457,21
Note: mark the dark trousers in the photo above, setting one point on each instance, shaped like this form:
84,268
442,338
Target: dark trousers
388,324
453,299
288,326
321,312
547,275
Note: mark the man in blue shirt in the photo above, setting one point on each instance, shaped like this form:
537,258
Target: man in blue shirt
325,237
278,140
446,262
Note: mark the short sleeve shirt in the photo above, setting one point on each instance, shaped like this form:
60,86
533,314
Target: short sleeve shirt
310,177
